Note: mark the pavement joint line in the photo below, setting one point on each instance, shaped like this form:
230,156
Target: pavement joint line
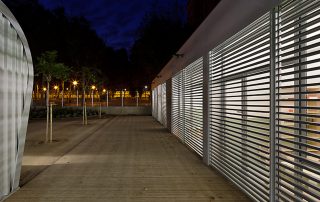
69,150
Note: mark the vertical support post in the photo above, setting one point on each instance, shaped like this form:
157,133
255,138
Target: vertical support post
244,117
169,103
92,98
85,114
51,105
205,108
182,107
100,110
122,98
48,111
77,98
137,97
273,75
107,98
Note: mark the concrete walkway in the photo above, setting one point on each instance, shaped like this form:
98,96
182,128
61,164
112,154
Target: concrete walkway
129,158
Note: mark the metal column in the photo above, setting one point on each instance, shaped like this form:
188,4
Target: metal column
206,108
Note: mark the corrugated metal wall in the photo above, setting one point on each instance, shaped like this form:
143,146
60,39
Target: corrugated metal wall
16,81
263,105
193,95
239,90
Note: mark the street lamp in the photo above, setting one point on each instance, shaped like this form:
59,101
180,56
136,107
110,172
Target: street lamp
75,83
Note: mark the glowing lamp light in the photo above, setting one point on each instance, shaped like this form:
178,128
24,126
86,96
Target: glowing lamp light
104,90
75,83
55,87
93,87
44,89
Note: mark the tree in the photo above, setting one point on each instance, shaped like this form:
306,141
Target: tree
160,37
62,73
49,68
89,77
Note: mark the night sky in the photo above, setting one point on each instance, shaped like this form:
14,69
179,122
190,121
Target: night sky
116,21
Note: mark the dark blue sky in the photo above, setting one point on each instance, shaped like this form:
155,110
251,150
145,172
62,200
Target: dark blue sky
116,21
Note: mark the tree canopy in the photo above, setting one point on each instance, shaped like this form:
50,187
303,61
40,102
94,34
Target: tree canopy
78,45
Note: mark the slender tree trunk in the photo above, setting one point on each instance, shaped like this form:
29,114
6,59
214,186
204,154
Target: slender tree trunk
48,106
62,93
85,118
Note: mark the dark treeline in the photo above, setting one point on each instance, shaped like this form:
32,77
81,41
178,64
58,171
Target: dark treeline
159,37
73,38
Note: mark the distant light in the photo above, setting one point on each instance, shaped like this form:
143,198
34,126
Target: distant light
75,83
56,87
104,90
93,87
125,89
146,87
44,89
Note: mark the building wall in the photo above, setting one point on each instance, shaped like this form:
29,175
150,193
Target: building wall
16,81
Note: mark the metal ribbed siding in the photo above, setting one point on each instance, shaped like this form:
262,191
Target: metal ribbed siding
159,103
154,103
153,108
16,81
177,125
193,97
239,91
264,105
164,105
298,101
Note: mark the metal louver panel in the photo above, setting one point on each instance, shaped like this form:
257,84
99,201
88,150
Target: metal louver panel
164,105
298,101
159,103
193,97
177,106
239,97
154,103
16,81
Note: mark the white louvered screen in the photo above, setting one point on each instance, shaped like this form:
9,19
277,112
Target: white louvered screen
193,97
16,81
159,103
153,104
298,101
239,108
177,106
164,105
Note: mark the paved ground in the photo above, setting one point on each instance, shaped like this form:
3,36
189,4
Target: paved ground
128,158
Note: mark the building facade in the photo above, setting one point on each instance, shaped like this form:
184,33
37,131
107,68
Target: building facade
16,81
245,96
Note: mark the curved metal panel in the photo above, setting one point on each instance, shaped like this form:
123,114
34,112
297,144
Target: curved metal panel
16,81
